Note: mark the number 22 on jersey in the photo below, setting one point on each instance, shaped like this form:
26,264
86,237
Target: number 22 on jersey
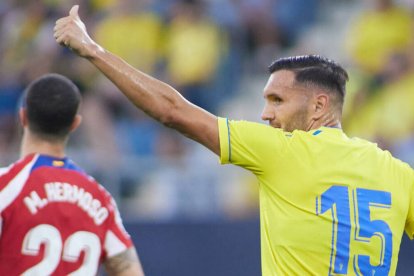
337,201
55,250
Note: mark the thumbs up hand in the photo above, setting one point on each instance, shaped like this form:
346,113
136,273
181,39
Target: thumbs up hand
71,32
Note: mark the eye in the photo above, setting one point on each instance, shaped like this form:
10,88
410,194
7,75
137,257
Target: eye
275,99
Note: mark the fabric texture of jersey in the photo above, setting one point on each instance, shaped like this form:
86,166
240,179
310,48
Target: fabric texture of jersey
55,219
329,204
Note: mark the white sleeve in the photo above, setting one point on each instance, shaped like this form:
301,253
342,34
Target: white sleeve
113,245
4,170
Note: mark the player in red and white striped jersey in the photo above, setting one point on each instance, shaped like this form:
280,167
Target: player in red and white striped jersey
54,218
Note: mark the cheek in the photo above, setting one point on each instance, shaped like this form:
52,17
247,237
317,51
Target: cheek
284,112
295,115
300,116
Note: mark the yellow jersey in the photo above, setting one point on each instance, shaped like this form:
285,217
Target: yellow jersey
329,204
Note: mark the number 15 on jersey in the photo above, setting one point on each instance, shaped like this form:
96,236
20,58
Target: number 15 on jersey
337,201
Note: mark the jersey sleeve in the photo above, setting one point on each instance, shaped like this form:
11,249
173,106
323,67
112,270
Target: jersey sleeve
117,238
250,145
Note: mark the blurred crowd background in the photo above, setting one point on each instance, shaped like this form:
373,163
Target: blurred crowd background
216,53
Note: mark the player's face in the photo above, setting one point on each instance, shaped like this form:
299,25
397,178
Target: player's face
287,105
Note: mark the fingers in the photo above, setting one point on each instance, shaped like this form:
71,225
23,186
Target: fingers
61,23
63,34
61,39
62,30
70,32
59,33
59,29
63,20
74,11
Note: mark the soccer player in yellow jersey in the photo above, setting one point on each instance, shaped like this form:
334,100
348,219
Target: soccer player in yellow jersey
329,204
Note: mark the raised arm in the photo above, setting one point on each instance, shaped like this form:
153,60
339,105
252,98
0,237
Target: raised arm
154,97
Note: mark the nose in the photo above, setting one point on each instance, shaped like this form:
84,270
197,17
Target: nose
267,114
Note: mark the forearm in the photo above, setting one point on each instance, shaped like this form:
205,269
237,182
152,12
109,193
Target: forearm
154,97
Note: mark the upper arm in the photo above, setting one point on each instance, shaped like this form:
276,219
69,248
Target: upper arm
125,263
197,124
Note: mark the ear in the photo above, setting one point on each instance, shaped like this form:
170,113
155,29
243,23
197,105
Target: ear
76,122
23,116
320,106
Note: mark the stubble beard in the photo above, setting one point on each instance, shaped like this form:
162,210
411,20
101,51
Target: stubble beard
299,121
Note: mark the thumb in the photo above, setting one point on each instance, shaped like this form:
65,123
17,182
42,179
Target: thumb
74,11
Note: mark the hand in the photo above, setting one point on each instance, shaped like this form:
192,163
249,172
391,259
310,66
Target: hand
70,31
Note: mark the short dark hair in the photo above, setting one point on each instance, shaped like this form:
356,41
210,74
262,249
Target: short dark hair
315,70
52,102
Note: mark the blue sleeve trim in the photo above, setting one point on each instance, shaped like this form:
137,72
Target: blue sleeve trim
228,137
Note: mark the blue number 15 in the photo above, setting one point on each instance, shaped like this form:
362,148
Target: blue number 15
336,199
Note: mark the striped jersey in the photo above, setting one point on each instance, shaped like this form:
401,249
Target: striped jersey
55,219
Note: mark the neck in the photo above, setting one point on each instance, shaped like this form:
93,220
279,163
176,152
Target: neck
327,120
33,144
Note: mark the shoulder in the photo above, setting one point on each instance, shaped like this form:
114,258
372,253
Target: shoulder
244,142
11,171
246,127
246,132
386,155
5,170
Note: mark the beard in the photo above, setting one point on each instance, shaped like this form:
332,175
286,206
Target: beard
298,121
